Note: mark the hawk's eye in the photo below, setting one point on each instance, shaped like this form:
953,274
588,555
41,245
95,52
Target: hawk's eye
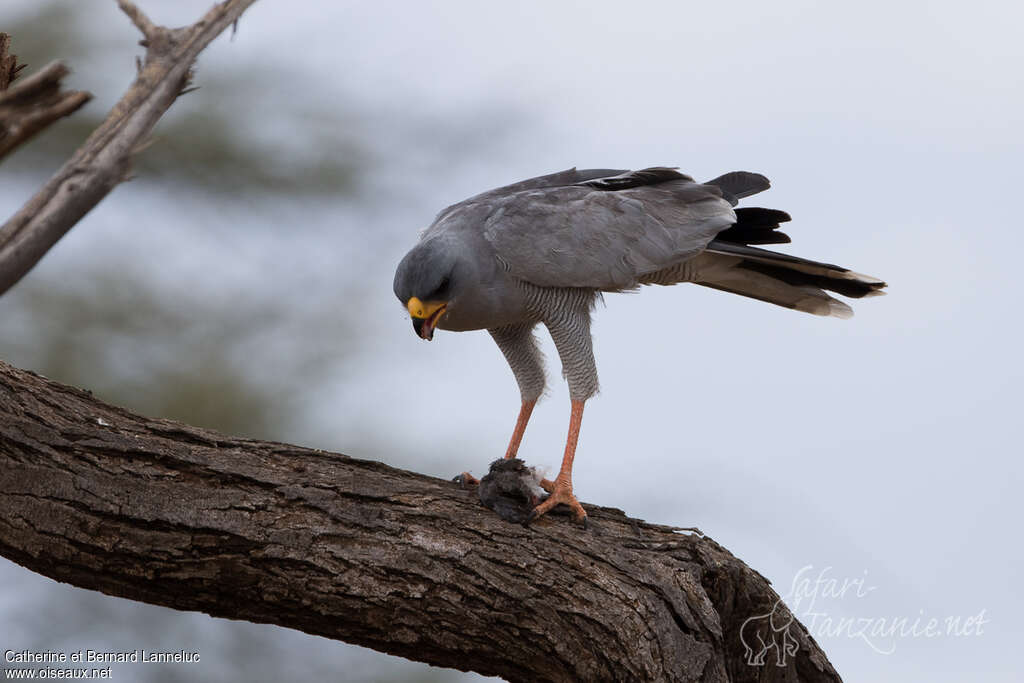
442,290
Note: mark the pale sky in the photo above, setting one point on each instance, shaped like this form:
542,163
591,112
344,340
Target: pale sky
881,448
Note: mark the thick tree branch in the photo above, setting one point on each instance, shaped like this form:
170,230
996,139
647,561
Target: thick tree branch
354,550
103,161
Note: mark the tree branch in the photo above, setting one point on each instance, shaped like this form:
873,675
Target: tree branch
146,27
9,66
33,104
103,161
354,550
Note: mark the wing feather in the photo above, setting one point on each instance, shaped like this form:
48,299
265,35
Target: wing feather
570,176
581,236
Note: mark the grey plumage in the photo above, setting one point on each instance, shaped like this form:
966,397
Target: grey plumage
575,236
739,185
519,346
544,249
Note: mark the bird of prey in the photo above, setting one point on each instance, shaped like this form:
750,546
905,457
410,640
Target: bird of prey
543,250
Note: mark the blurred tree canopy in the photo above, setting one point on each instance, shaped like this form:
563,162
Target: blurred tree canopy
240,354
137,340
223,361
200,142
231,361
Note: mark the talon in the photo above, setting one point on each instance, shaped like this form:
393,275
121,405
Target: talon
561,494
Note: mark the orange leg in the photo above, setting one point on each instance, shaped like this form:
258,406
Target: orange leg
517,434
468,480
561,487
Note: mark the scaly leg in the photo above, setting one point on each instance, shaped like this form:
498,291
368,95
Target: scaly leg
561,488
517,434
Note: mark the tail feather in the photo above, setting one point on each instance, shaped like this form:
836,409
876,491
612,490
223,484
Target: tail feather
755,225
729,262
799,271
780,279
805,298
739,184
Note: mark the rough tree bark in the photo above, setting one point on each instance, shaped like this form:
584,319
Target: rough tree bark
354,550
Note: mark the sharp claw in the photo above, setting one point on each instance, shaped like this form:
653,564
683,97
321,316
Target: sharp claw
561,494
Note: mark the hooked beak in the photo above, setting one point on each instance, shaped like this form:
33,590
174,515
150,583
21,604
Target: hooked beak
425,316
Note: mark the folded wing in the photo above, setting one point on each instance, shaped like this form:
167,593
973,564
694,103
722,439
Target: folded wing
605,232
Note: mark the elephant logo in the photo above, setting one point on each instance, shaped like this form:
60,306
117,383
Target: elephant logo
766,631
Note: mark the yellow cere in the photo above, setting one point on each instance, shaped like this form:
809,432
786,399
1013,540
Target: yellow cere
416,308
419,309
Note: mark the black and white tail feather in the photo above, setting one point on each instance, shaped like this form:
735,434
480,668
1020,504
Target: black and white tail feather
731,264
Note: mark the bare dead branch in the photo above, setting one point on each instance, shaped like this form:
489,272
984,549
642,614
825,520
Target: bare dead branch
141,21
33,103
354,550
103,160
9,66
